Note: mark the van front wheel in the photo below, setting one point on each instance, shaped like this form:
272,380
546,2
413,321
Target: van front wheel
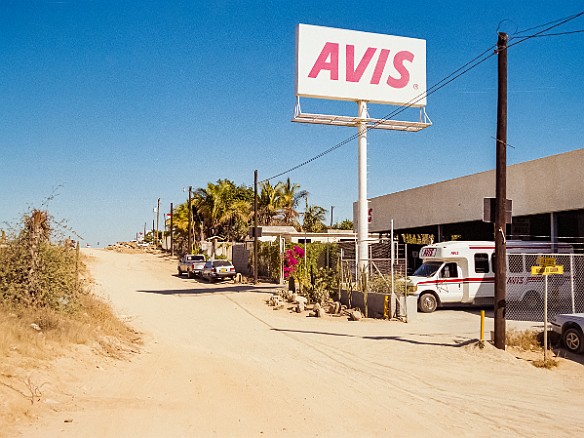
427,302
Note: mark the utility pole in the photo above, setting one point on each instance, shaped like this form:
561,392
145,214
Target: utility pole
501,194
190,213
157,222
171,230
305,236
255,227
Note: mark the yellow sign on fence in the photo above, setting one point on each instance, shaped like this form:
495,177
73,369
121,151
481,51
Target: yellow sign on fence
547,270
546,261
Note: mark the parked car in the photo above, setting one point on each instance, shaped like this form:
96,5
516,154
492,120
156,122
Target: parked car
571,327
218,269
191,264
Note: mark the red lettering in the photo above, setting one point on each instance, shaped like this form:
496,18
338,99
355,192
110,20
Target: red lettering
383,55
327,60
355,74
398,63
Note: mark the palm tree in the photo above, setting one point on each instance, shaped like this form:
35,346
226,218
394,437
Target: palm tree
223,209
290,198
314,217
269,203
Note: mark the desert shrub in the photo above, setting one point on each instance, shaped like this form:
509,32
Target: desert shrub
36,272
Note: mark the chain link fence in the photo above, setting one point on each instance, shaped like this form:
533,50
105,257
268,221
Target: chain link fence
385,280
525,293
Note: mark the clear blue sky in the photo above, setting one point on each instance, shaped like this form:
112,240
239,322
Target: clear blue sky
110,105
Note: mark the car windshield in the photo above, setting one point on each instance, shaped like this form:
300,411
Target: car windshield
196,258
221,263
427,269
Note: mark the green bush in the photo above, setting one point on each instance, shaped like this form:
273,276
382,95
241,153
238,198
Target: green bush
36,272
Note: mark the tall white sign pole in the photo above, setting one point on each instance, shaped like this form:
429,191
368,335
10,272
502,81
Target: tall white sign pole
363,230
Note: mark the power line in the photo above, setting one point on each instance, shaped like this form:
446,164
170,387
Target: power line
537,34
441,84
542,25
560,33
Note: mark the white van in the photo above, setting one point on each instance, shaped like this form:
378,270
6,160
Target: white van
463,272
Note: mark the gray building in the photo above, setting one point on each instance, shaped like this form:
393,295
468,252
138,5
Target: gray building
547,195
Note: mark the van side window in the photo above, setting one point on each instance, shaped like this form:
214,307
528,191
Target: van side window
450,270
481,263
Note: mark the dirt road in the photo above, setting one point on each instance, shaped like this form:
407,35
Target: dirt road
217,361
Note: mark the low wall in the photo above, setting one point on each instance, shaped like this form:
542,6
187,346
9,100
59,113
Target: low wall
376,303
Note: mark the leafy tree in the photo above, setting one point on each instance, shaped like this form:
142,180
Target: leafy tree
314,217
290,197
269,203
223,209
347,224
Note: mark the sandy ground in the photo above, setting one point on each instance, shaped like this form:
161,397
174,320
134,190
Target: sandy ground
217,361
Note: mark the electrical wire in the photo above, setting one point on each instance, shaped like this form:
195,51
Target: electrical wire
541,25
537,34
559,34
441,84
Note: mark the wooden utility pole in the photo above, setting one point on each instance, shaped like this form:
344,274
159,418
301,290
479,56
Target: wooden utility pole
501,195
255,227
171,230
157,222
190,213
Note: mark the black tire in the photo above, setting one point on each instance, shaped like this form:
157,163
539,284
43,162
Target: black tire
573,340
427,302
532,301
190,274
179,272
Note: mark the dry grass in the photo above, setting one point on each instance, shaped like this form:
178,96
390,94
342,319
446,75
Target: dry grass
527,340
47,333
531,343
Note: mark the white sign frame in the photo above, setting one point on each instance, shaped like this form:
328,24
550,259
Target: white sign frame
342,64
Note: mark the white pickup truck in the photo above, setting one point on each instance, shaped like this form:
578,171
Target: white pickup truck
571,327
191,264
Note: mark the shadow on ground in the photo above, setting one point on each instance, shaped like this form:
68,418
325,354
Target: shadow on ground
215,289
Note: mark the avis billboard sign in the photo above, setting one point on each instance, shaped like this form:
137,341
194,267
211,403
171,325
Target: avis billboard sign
351,65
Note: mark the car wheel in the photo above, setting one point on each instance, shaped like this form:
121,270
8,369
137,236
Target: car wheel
573,340
190,274
179,272
532,301
427,302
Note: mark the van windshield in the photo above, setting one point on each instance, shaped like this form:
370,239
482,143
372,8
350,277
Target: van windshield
427,269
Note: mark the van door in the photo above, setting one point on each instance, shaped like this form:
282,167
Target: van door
449,283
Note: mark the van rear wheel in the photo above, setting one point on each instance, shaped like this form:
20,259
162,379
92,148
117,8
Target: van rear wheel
427,302
532,301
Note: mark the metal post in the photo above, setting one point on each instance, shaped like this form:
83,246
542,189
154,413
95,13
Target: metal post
305,235
362,231
190,213
171,229
501,195
332,209
572,282
545,318
392,262
255,227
